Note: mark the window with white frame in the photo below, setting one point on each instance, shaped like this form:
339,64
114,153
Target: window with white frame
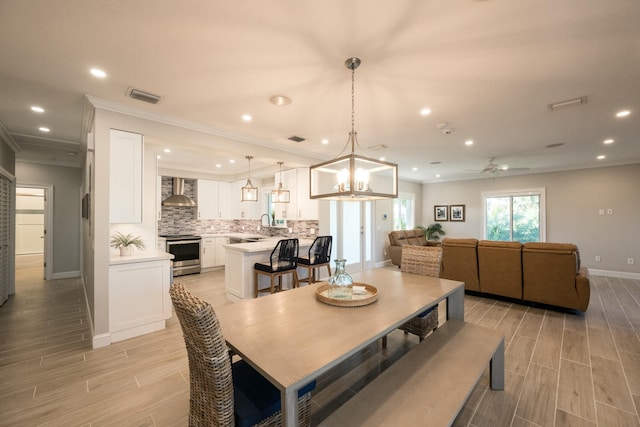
514,215
404,212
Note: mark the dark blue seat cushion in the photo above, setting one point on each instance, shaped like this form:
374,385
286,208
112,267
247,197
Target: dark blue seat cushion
268,269
427,311
255,398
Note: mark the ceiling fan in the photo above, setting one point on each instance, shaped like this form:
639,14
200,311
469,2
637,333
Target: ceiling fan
494,169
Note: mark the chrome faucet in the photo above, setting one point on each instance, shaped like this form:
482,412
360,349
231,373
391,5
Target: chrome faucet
261,224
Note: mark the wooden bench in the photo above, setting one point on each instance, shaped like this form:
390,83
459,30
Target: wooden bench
430,384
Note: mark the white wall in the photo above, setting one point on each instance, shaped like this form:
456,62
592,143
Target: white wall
573,198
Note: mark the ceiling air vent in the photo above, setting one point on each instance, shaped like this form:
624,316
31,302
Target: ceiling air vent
296,138
567,104
143,96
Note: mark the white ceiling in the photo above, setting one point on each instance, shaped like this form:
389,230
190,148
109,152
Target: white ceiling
487,68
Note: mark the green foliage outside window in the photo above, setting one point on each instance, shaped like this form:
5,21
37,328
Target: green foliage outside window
515,218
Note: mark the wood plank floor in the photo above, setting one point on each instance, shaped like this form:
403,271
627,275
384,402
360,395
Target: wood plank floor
561,369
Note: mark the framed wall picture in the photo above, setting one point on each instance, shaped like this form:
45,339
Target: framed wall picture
440,213
456,212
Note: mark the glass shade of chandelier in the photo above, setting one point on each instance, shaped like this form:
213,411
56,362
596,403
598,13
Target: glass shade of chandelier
279,194
249,191
353,177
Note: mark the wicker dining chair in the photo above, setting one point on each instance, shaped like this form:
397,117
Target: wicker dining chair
283,260
222,393
423,260
319,256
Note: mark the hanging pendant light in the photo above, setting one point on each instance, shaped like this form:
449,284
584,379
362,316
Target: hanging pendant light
280,195
249,191
353,177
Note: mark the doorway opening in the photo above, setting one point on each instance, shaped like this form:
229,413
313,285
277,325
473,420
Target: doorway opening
32,222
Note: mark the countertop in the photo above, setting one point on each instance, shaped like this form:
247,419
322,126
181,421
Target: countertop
263,245
140,257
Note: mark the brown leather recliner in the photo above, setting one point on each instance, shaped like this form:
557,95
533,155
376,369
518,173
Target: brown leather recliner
500,268
552,275
460,262
398,238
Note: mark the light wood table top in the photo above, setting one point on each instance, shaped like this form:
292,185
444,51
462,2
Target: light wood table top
291,337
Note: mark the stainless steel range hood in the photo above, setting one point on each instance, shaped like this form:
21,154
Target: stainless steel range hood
178,198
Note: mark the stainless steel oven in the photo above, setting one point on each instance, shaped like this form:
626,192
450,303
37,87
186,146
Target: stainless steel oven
186,252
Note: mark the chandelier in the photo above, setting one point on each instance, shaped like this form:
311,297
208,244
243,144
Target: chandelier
353,177
249,191
279,194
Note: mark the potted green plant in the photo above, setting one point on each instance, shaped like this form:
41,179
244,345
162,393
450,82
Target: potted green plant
126,243
433,231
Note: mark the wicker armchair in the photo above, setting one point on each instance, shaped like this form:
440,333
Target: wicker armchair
424,260
222,393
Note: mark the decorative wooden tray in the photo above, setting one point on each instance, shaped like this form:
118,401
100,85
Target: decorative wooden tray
357,300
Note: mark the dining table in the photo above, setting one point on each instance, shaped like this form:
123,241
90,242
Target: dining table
291,337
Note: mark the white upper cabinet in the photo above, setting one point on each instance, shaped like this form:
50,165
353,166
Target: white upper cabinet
213,200
125,177
301,207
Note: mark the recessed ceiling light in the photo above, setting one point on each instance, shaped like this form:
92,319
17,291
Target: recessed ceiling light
218,165
414,168
425,111
608,141
246,117
44,129
601,157
437,175
468,142
37,109
382,159
232,161
623,113
167,150
96,72
325,141
280,100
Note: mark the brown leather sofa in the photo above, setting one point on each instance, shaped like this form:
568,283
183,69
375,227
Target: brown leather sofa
398,238
552,275
460,262
548,273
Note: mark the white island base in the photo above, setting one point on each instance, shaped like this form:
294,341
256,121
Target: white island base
239,261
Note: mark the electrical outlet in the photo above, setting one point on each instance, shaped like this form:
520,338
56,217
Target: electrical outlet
243,227
212,227
384,252
290,230
312,231
597,258
630,261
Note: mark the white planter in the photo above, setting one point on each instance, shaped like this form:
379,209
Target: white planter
126,250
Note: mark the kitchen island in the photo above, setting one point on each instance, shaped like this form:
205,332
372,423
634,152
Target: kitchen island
240,259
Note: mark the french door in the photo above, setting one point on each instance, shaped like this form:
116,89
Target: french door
351,223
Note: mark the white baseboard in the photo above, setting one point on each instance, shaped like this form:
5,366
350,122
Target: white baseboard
619,274
101,340
65,275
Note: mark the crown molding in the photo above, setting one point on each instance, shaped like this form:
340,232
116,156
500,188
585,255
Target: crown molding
6,137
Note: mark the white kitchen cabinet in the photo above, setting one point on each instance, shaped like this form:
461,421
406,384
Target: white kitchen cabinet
125,177
301,206
139,301
213,200
213,251
220,250
243,210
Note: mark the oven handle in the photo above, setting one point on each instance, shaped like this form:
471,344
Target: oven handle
182,242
